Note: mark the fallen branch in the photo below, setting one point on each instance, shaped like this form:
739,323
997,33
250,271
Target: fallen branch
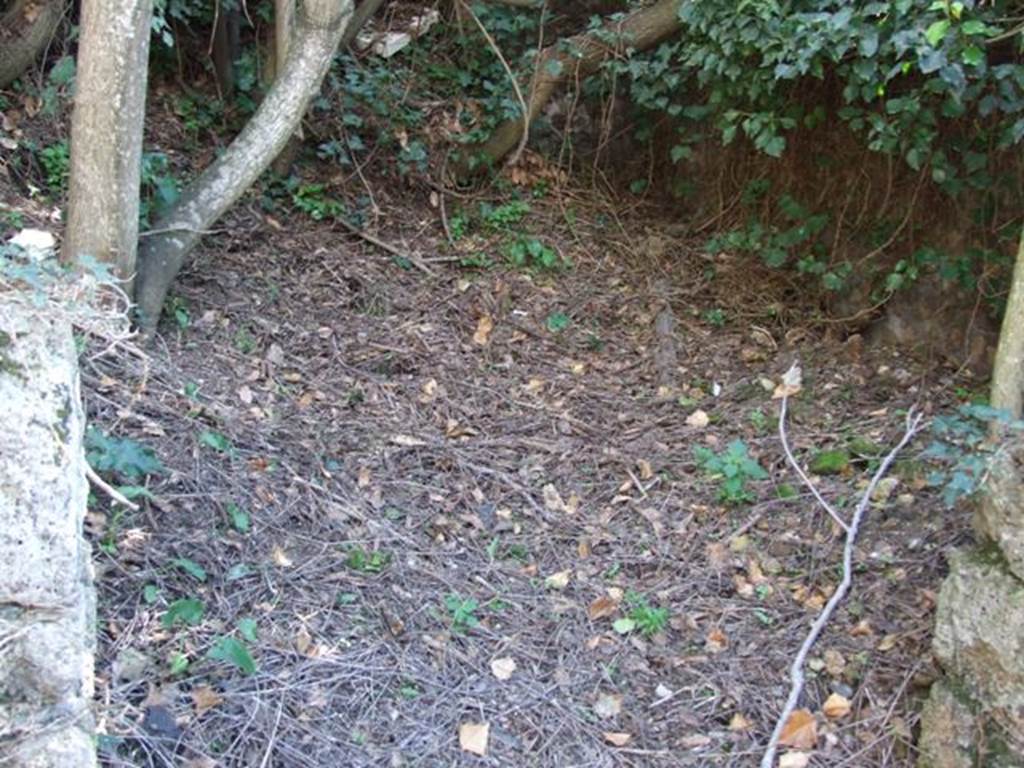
108,489
384,246
796,672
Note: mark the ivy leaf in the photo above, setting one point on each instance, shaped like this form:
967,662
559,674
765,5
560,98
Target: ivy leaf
937,31
215,440
233,652
972,56
187,610
191,567
247,627
239,518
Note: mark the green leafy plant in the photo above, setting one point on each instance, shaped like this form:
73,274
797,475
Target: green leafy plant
504,217
56,161
642,616
733,468
215,440
962,451
159,187
312,199
177,307
714,317
234,652
372,561
558,322
239,518
462,613
191,567
532,253
186,610
123,457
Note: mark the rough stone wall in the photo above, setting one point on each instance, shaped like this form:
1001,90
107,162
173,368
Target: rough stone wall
975,715
47,601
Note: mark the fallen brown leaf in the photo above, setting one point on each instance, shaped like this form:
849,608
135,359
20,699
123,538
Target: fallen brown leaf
608,705
800,730
836,706
483,331
473,737
503,668
617,739
602,607
204,698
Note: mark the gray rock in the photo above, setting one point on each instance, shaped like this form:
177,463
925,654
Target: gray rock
976,713
47,602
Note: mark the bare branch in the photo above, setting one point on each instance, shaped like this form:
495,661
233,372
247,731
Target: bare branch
796,673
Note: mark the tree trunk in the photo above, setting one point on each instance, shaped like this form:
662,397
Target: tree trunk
1008,373
573,59
319,26
47,602
106,134
226,49
25,30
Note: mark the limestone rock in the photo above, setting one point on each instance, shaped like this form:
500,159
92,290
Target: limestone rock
979,641
47,603
1000,517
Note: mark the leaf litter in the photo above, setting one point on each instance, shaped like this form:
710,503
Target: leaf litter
537,477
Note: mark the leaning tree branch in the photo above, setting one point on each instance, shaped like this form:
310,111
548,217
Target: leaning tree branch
318,29
796,673
573,59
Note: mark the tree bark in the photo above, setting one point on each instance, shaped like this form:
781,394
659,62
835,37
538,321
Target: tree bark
47,601
226,49
106,134
25,30
1008,373
319,26
571,59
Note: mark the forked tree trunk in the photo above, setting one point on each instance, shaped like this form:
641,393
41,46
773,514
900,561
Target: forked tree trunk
25,30
573,59
106,134
319,26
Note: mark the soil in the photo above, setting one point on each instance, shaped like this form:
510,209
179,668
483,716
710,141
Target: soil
351,456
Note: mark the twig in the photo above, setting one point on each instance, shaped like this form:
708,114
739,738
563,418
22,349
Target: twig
273,735
394,250
796,672
803,476
108,489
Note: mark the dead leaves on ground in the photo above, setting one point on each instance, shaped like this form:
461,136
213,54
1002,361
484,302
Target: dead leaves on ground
800,730
473,738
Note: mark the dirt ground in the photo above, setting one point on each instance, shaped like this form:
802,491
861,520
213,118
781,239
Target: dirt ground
395,482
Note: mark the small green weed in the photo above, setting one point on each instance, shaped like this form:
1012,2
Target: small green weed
367,561
962,450
642,616
186,610
531,253
714,317
177,307
502,218
234,652
125,458
56,162
462,613
733,468
312,200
